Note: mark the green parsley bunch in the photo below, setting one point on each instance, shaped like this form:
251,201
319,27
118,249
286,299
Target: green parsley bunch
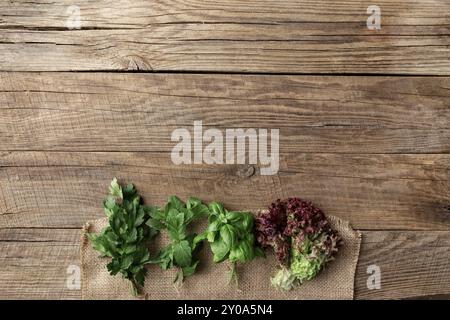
126,237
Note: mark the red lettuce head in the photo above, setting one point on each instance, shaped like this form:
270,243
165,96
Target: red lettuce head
288,223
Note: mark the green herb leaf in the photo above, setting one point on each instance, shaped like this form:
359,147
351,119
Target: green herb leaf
115,189
175,224
220,250
228,235
247,251
158,225
216,208
231,235
176,217
175,203
198,239
211,236
196,209
182,254
214,226
190,270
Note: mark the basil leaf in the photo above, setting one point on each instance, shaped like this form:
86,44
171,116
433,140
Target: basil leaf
193,202
250,237
216,208
228,235
248,221
211,236
244,224
220,250
235,254
214,226
246,250
233,216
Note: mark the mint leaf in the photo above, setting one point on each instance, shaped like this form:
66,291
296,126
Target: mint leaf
196,208
190,270
198,239
175,224
182,254
155,224
175,203
165,258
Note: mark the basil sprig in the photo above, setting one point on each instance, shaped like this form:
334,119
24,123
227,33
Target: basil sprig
230,234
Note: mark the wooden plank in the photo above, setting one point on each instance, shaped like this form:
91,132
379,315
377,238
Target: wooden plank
34,262
138,112
412,264
232,36
64,189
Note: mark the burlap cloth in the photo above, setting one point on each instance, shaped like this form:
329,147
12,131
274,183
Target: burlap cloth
212,280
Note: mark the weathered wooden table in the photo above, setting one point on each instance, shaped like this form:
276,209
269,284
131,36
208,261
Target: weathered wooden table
363,117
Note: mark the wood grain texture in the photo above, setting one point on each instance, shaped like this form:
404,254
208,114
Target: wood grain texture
64,189
412,263
231,36
108,111
374,150
34,262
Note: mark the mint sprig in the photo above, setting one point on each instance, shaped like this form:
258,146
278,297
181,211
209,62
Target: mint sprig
175,217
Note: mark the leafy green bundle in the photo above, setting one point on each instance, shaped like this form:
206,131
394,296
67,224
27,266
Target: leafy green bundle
175,218
125,238
230,235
